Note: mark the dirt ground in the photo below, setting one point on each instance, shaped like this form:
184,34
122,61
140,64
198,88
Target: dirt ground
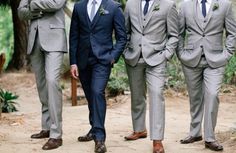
16,128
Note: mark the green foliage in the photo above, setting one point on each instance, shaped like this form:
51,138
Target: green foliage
118,81
175,76
230,71
6,33
7,101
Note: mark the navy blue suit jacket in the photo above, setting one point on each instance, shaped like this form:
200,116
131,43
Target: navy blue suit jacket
96,36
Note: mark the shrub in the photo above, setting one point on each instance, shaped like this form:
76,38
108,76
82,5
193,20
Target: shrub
7,101
230,71
175,76
118,81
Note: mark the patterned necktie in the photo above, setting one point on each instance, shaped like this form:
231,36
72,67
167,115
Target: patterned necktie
92,13
145,10
204,7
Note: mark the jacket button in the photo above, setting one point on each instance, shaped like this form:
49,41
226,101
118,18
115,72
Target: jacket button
201,46
139,45
143,34
203,35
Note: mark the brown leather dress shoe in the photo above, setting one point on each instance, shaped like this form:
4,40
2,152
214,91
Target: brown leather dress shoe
136,135
215,146
52,144
42,134
158,147
100,147
190,139
87,137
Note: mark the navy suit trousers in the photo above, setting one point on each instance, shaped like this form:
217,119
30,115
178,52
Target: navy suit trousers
94,79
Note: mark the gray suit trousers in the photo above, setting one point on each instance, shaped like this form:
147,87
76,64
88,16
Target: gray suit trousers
203,84
47,66
152,77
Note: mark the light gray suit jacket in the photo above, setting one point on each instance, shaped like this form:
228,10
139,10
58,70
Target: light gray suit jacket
199,35
155,35
46,16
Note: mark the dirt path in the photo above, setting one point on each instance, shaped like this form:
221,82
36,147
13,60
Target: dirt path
16,128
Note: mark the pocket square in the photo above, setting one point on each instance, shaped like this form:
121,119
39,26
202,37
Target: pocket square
102,11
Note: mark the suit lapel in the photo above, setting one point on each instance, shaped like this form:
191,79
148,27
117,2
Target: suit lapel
210,12
97,16
196,14
150,11
85,11
140,13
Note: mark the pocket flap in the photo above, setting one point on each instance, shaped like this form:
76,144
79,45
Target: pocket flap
53,26
159,48
189,47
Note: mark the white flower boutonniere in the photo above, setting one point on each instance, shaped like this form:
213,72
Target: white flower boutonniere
215,6
156,8
102,11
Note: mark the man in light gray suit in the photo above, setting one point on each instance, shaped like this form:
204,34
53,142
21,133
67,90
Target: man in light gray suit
203,58
152,28
46,45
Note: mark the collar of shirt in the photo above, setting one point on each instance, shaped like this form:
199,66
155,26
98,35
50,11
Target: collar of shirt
208,2
98,2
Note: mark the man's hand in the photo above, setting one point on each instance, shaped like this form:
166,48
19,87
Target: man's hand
112,62
74,71
36,14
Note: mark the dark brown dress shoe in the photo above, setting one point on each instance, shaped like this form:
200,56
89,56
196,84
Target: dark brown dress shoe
52,144
100,147
158,147
87,137
190,139
136,135
215,146
42,134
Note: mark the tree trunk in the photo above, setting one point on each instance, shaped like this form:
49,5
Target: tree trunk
19,57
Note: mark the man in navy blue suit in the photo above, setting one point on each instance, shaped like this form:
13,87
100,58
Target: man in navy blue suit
92,52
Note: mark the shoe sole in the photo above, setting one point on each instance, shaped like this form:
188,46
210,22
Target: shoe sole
142,137
197,139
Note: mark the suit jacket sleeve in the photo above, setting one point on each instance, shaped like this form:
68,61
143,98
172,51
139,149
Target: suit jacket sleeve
24,12
173,31
181,19
230,26
127,23
74,37
46,5
120,34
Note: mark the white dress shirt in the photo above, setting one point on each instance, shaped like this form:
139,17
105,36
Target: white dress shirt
89,6
208,5
144,2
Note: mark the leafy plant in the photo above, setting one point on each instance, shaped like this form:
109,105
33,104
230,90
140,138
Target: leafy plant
6,34
230,71
118,81
175,76
7,100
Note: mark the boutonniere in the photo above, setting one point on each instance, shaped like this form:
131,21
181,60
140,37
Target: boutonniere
156,8
215,6
102,11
